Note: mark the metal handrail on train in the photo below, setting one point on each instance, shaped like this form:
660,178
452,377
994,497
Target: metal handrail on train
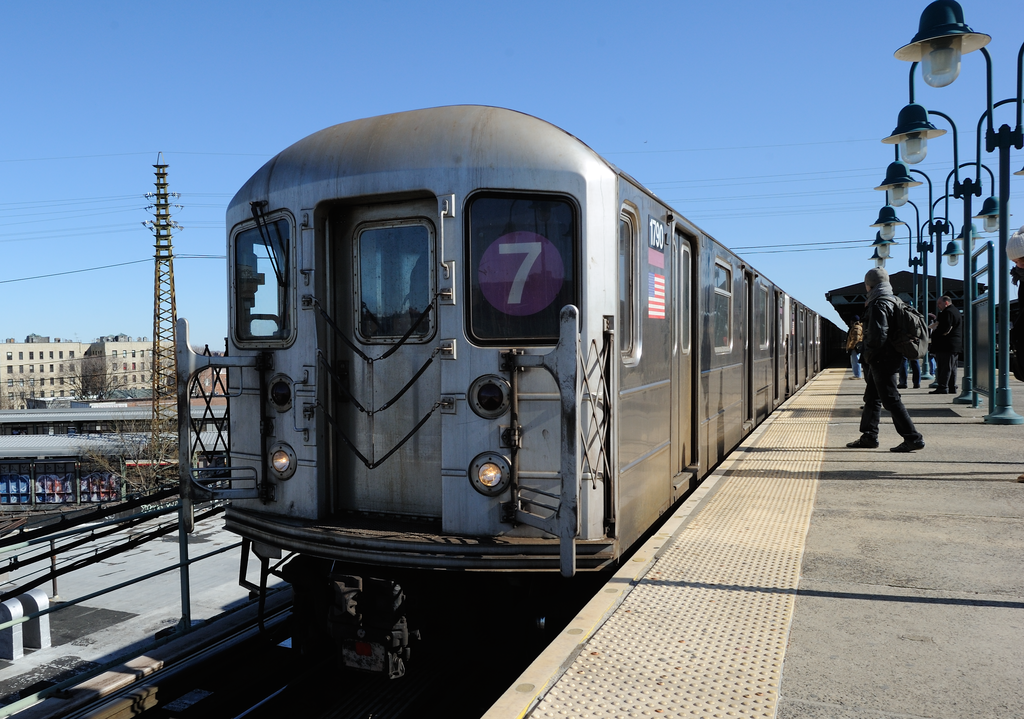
563,364
192,485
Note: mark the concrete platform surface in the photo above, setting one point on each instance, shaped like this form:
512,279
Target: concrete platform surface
805,579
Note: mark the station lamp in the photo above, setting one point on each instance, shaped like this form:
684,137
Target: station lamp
952,253
913,130
877,259
897,180
881,245
941,39
887,222
990,213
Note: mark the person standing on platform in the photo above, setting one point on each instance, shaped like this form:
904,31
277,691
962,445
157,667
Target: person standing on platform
947,342
1015,252
853,339
915,372
882,362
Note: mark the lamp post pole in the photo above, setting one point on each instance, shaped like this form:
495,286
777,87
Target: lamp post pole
942,38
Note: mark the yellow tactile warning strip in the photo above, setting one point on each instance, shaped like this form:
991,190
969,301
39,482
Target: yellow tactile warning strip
700,627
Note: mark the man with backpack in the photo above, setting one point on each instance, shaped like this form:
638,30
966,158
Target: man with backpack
882,334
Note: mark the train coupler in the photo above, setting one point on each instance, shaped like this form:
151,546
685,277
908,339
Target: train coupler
366,619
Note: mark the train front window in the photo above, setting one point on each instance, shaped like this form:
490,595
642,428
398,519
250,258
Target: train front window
522,266
261,281
395,280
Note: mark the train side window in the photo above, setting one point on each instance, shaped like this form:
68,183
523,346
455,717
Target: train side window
261,269
763,317
395,280
522,266
684,294
628,329
722,308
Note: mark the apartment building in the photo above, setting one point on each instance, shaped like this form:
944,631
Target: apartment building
45,367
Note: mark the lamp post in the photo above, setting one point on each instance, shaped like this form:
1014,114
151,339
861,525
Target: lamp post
941,40
912,131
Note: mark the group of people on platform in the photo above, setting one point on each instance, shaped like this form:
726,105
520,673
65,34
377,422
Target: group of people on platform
885,370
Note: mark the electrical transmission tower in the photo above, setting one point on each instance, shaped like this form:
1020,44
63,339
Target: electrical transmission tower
163,440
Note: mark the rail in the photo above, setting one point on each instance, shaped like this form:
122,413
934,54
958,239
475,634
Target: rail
75,537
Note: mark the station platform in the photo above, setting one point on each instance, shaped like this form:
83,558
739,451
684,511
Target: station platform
806,579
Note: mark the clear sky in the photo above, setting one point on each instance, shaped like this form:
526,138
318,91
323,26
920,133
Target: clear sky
761,122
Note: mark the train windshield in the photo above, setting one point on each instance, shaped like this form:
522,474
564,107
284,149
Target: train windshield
394,281
522,266
261,282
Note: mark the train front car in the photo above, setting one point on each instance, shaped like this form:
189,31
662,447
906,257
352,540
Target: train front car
419,304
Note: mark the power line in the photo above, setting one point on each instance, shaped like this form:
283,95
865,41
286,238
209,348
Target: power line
738,147
107,267
136,154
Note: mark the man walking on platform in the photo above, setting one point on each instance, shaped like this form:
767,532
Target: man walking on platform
947,341
882,362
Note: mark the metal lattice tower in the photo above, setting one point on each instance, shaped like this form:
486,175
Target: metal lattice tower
164,365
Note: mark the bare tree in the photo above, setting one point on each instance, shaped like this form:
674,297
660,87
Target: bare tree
91,378
130,454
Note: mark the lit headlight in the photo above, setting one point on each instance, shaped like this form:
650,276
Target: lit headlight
490,396
490,474
282,461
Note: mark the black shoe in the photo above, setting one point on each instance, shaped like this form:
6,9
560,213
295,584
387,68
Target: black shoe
908,446
917,386
938,391
901,386
865,442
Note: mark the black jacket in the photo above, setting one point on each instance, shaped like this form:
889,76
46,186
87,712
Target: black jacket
948,336
878,351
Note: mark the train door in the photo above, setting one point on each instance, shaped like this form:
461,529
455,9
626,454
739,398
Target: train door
777,345
384,284
683,405
801,347
791,354
748,351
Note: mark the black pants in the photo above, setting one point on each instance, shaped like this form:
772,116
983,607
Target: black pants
945,370
880,391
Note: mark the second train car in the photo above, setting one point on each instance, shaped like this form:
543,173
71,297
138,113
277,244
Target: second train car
460,339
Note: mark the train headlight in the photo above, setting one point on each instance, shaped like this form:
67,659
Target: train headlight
490,396
280,393
490,474
282,461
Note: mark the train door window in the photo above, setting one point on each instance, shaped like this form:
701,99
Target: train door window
395,281
522,266
261,269
722,308
628,329
684,293
763,317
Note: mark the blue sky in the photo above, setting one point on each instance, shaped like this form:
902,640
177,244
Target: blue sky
760,122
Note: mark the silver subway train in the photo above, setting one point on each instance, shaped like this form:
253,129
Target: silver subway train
460,339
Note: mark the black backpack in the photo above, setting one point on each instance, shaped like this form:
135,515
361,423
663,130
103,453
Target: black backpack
908,331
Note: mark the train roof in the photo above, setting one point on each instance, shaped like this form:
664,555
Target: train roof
474,138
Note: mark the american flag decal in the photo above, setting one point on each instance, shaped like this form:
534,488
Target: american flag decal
656,296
